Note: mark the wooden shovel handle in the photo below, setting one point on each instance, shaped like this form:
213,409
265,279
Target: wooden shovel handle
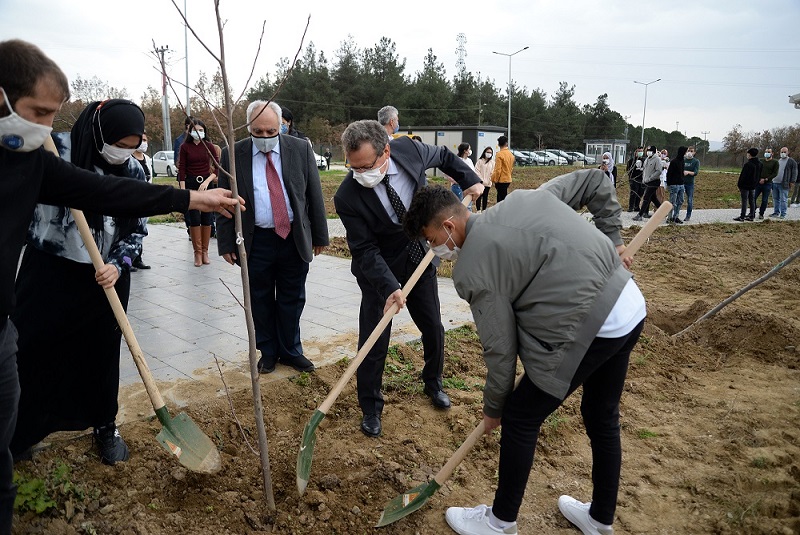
647,230
378,330
113,300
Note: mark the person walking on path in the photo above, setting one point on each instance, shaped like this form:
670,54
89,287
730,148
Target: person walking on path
781,184
691,167
504,163
748,180
769,170
635,170
651,178
557,299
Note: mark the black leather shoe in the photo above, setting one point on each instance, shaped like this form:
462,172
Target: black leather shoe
139,263
371,425
438,397
300,363
266,364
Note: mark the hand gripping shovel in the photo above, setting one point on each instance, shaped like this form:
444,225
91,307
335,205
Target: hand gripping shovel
180,436
304,456
412,500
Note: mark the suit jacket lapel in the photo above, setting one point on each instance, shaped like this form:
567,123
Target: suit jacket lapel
373,202
244,164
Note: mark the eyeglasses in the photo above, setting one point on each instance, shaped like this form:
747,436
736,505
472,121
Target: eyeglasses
371,166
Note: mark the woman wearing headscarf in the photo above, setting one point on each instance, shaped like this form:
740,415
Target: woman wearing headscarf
197,163
69,339
609,168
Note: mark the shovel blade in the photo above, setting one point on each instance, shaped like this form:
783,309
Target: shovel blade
306,453
182,438
407,503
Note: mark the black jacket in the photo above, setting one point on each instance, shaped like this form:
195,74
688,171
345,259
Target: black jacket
675,169
750,175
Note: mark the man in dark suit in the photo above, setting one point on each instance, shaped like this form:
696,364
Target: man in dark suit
371,202
285,226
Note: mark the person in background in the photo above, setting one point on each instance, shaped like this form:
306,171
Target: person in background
140,156
781,184
675,175
484,168
651,178
748,180
769,170
691,166
504,163
635,169
327,157
389,118
61,302
796,195
194,172
465,153
553,295
176,150
287,125
608,167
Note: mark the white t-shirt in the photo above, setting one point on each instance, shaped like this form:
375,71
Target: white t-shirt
629,310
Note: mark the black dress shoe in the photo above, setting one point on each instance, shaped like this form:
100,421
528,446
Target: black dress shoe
300,363
139,263
371,425
438,397
267,364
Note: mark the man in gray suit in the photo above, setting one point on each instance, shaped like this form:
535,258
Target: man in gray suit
284,228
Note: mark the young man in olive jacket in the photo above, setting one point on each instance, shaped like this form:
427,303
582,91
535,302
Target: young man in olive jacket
558,297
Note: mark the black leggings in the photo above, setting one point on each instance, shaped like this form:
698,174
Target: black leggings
502,190
602,373
483,200
196,218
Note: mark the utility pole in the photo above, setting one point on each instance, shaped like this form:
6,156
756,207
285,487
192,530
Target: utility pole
508,133
644,110
676,126
165,100
186,48
705,138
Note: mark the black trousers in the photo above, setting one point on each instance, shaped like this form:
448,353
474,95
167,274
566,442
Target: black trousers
423,305
748,199
9,397
650,195
278,292
602,373
502,190
636,195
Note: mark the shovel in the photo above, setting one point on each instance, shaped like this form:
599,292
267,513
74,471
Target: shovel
304,456
180,436
410,501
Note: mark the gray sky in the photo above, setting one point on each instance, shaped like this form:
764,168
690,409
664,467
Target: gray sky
721,62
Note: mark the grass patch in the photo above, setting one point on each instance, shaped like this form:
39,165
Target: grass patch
455,383
56,492
645,434
304,379
174,217
759,462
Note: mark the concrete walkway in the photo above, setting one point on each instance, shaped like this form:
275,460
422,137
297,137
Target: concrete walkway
183,316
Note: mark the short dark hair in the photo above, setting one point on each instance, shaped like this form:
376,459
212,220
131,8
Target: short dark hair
752,152
428,203
23,65
502,141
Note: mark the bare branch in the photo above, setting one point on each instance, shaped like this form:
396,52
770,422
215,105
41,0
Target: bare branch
255,59
233,410
186,22
231,292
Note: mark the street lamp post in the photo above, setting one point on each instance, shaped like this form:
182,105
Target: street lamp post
644,112
509,87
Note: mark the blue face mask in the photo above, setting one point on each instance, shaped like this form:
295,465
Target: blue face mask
284,128
397,128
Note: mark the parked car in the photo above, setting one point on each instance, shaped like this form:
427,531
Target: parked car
552,159
579,156
570,159
164,163
522,159
535,158
321,163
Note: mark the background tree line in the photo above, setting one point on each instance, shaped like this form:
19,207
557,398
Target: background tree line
325,95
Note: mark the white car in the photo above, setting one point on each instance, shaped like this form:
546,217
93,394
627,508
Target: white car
552,159
164,163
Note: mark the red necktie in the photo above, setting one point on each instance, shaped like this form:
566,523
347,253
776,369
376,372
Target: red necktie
280,215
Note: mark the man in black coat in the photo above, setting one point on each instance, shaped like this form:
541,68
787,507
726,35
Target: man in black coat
748,180
371,203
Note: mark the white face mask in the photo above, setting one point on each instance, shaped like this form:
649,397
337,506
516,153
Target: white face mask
372,177
489,155
605,161
784,155
265,144
143,147
115,155
649,153
690,155
443,251
18,134
198,135
767,155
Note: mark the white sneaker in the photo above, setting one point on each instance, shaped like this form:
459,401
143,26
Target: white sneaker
475,521
578,513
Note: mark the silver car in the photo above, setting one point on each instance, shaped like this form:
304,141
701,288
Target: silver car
164,163
552,159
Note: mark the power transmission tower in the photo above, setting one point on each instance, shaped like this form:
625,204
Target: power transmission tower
165,99
461,52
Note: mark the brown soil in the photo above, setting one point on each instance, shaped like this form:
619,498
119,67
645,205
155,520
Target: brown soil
710,426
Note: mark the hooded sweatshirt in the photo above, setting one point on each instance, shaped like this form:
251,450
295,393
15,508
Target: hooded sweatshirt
652,167
675,169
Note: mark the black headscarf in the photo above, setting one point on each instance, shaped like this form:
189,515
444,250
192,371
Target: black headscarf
105,122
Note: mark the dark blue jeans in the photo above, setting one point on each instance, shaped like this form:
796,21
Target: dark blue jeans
602,373
688,189
278,292
9,397
763,190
